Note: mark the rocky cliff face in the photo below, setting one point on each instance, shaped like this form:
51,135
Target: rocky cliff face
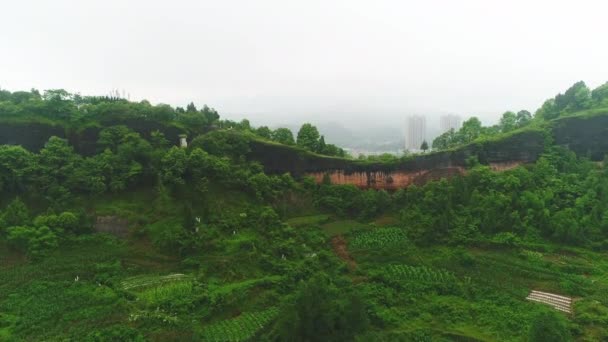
587,135
517,149
399,179
33,136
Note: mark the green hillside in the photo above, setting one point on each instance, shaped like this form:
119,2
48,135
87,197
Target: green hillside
111,232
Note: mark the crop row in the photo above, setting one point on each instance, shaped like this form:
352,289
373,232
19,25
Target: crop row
419,274
147,281
241,328
380,238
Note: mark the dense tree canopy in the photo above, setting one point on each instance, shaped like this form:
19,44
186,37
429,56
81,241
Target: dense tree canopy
308,137
204,245
576,98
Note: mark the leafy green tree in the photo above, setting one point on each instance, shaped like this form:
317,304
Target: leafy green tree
173,166
69,221
549,327
264,132
58,104
194,120
35,241
548,110
134,148
283,136
158,140
523,118
508,121
445,140
112,137
321,312
424,146
201,164
64,222
333,150
575,98
308,137
58,170
16,214
88,178
567,226
470,130
191,108
16,166
599,95
161,112
125,157
244,125
223,143
210,114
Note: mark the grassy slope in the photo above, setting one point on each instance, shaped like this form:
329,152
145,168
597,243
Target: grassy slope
496,280
493,308
43,300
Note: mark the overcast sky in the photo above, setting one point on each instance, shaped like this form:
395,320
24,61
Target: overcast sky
280,59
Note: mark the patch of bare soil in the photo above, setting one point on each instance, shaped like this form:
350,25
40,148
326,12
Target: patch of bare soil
341,249
113,225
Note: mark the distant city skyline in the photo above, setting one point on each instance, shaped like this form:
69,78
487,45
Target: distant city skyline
360,62
415,132
450,121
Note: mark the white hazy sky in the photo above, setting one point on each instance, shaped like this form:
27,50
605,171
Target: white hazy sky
279,59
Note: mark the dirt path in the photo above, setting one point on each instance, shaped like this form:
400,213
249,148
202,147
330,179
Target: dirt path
340,248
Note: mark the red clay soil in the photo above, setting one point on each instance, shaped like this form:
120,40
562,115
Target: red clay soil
339,244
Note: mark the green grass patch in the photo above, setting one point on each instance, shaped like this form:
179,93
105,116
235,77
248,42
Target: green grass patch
342,227
379,239
312,220
241,328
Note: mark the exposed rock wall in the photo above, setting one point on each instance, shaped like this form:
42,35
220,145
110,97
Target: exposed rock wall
112,225
523,147
33,136
503,154
399,179
585,135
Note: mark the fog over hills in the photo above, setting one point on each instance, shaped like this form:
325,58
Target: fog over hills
360,132
355,63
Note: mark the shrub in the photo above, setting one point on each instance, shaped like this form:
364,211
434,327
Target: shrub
35,241
241,328
114,333
549,327
16,214
507,239
380,238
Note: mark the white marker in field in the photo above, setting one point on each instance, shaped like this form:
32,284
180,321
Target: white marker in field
558,302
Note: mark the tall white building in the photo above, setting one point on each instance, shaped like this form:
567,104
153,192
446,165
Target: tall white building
415,132
447,122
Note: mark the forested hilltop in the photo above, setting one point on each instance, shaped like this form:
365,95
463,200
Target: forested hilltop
112,231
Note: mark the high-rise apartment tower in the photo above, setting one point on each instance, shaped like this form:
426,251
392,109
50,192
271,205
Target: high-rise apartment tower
447,122
415,132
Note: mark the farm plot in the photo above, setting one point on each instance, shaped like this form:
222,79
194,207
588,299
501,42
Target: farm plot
380,238
419,274
142,282
242,328
418,279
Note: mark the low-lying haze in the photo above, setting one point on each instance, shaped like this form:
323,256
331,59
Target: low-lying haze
283,62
